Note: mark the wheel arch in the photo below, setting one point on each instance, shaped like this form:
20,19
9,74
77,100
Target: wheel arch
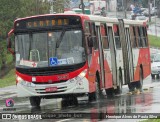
141,68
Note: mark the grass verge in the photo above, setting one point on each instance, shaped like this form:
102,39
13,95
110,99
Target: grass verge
154,41
9,79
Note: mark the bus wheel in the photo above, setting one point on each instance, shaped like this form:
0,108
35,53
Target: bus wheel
35,101
110,92
119,88
95,95
139,84
73,100
69,101
131,87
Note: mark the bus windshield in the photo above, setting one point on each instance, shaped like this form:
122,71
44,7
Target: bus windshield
49,49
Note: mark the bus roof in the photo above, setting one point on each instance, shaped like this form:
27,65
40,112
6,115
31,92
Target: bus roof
90,17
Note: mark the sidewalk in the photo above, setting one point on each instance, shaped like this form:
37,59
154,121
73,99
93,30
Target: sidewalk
9,91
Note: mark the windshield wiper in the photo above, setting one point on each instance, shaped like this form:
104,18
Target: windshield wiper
30,41
59,40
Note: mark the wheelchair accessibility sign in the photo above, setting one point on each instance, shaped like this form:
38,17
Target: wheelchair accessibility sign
53,61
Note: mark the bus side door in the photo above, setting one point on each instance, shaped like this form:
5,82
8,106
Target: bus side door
101,54
113,53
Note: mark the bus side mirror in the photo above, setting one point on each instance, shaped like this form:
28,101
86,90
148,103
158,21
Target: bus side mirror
9,42
90,41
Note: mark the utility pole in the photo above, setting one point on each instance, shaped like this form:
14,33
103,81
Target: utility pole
155,18
149,10
125,8
51,8
82,6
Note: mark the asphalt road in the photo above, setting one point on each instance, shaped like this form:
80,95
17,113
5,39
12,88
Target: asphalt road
137,102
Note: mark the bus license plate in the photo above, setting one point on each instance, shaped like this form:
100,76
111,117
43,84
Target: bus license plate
51,89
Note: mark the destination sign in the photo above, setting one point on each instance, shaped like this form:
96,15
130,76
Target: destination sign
46,22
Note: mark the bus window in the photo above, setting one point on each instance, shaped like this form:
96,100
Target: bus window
116,36
144,36
140,41
133,38
93,35
104,36
137,36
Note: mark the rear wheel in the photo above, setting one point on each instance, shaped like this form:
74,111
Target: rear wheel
35,101
139,84
131,86
110,92
119,88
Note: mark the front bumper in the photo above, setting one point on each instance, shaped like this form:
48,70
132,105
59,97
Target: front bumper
72,86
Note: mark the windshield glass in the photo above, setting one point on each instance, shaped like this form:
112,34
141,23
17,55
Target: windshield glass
157,58
49,49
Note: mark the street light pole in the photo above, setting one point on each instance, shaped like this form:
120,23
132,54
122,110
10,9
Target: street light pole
149,10
155,18
82,6
125,8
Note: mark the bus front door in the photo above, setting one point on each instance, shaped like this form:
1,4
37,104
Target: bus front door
113,55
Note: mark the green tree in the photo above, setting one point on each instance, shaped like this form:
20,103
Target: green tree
58,5
12,9
157,3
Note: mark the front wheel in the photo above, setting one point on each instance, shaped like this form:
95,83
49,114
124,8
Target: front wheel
95,95
35,101
69,101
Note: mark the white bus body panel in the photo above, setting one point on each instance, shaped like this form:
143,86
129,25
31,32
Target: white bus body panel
68,87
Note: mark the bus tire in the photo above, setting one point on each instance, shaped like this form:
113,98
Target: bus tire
131,87
35,101
73,100
69,101
110,92
139,84
119,88
94,96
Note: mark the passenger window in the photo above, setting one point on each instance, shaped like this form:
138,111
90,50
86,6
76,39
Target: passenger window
104,35
137,36
140,41
93,35
116,36
144,36
133,37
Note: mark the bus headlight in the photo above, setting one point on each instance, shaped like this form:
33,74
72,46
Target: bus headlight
25,83
81,75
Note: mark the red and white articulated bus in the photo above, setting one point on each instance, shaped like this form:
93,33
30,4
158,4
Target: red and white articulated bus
69,55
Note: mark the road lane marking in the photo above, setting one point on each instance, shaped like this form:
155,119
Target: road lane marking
63,120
